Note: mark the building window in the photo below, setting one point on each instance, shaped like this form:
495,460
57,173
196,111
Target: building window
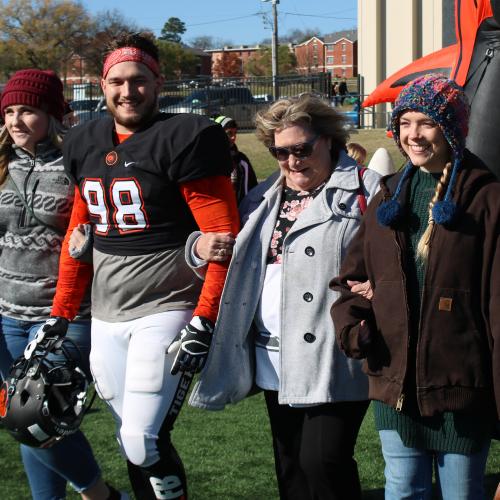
343,46
329,46
329,60
343,72
344,59
315,48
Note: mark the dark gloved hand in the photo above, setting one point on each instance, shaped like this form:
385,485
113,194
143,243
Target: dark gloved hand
192,344
52,328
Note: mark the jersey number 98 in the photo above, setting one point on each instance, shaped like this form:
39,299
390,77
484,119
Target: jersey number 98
127,213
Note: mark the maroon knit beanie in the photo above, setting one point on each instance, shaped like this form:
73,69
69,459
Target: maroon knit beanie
40,89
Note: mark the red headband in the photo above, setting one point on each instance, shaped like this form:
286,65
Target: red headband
130,54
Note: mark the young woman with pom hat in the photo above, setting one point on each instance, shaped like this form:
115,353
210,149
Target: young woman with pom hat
35,206
430,246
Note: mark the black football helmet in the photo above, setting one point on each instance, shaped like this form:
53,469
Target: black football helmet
44,397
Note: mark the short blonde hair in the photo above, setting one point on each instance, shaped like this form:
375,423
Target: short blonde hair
307,110
356,152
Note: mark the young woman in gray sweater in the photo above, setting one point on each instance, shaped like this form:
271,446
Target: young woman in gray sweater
35,205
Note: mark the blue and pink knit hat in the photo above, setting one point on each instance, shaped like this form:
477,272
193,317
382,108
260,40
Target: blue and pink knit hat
446,103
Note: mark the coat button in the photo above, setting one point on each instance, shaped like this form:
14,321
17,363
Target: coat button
309,337
308,297
309,251
342,206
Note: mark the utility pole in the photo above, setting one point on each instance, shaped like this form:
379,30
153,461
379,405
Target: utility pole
274,48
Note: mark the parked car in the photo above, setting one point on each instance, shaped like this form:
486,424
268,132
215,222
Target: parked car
236,102
79,105
352,118
88,110
263,97
168,100
352,115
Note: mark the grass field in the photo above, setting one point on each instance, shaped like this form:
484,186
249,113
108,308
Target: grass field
227,454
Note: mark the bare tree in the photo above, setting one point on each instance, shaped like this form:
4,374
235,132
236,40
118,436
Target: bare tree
203,42
106,26
299,36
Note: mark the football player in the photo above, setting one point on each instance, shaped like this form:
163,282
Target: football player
146,180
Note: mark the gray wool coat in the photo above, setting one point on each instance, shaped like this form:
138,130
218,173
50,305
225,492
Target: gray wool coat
312,368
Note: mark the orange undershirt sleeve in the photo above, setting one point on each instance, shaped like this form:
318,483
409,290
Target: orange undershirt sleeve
213,204
74,275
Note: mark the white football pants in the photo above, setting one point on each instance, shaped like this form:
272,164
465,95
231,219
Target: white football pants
131,369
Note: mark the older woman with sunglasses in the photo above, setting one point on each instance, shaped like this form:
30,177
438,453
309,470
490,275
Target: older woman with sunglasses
274,331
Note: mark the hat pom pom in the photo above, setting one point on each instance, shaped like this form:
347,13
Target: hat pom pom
388,212
443,212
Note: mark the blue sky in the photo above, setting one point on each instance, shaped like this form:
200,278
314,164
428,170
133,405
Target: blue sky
236,21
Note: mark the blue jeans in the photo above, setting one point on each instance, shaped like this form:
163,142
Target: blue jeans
71,459
408,471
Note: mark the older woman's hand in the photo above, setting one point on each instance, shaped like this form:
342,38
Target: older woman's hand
362,288
215,247
77,238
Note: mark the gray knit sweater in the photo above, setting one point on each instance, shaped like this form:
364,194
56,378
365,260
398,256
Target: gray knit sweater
30,246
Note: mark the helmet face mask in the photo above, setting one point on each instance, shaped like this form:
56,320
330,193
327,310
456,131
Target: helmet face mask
44,397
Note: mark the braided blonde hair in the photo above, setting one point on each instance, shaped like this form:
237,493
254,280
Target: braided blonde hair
423,244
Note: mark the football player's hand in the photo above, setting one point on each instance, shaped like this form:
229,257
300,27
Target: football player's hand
52,328
192,344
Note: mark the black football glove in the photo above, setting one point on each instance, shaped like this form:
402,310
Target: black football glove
52,328
192,344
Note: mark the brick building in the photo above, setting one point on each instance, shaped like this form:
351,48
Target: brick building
243,52
335,53
310,56
77,72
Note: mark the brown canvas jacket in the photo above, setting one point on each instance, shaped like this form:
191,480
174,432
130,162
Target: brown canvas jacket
458,348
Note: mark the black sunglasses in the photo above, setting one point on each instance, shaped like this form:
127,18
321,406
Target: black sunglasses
301,150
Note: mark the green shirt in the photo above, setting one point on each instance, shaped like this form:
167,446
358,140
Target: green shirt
452,432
